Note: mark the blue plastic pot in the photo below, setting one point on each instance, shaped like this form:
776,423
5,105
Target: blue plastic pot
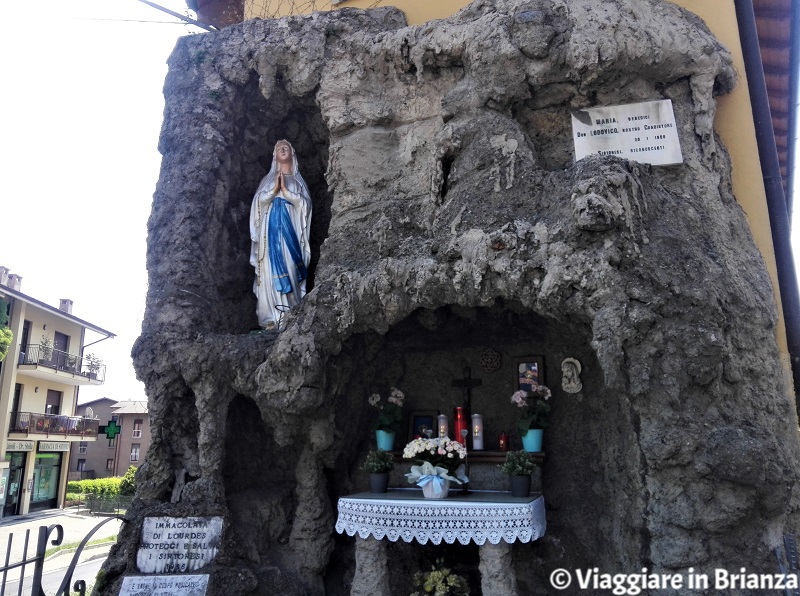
385,440
532,440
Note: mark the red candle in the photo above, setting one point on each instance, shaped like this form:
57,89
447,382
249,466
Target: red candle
503,441
460,423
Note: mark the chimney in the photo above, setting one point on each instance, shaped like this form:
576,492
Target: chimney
14,281
65,304
4,275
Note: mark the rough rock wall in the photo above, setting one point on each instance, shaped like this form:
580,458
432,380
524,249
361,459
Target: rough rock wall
449,217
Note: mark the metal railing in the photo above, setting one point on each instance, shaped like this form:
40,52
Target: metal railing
60,360
37,561
105,504
52,424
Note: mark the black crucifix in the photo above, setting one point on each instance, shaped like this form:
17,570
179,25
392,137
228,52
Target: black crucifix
467,384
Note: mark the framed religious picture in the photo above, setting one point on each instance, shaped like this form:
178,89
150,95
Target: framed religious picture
420,421
529,372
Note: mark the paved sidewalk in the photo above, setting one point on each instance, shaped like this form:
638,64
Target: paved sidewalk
75,529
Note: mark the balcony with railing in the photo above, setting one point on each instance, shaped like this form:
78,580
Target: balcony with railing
52,426
45,362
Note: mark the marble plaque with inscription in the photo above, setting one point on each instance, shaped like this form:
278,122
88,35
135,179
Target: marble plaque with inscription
643,132
165,585
178,544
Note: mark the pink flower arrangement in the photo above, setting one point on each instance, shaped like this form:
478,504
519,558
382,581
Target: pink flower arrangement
534,411
390,413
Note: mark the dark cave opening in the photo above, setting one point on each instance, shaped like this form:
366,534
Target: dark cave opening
588,445
257,487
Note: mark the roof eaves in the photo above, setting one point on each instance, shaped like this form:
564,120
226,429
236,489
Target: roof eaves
16,294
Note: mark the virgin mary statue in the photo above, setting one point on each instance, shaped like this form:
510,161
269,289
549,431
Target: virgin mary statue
279,229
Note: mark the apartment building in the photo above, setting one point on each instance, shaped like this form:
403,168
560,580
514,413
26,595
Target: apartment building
134,438
94,459
112,457
46,365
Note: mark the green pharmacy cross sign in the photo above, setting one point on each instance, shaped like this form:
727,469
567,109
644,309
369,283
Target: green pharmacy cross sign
112,429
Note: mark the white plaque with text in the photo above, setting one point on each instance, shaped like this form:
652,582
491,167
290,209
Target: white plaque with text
53,446
19,445
178,544
165,585
643,132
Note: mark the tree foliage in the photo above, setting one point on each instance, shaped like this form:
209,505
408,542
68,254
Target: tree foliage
6,336
128,484
5,342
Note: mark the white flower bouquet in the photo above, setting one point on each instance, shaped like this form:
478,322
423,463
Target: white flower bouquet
438,460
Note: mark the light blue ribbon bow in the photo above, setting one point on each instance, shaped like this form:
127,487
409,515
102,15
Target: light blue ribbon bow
422,475
430,478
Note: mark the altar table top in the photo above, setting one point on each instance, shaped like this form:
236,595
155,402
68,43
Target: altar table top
403,513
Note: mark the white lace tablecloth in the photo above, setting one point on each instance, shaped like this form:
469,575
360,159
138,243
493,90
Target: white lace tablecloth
477,517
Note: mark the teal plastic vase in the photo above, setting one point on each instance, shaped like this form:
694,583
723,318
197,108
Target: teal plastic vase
532,440
384,439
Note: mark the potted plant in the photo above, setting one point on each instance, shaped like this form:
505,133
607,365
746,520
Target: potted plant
519,466
378,463
71,360
534,414
45,348
93,363
390,414
440,461
440,581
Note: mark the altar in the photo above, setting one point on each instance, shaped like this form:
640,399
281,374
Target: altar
491,519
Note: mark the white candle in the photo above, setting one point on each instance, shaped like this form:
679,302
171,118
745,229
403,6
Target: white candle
443,429
477,431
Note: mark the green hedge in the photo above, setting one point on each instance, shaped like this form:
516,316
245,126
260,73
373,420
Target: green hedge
98,486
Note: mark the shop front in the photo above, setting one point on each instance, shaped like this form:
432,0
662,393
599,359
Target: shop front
47,474
16,455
